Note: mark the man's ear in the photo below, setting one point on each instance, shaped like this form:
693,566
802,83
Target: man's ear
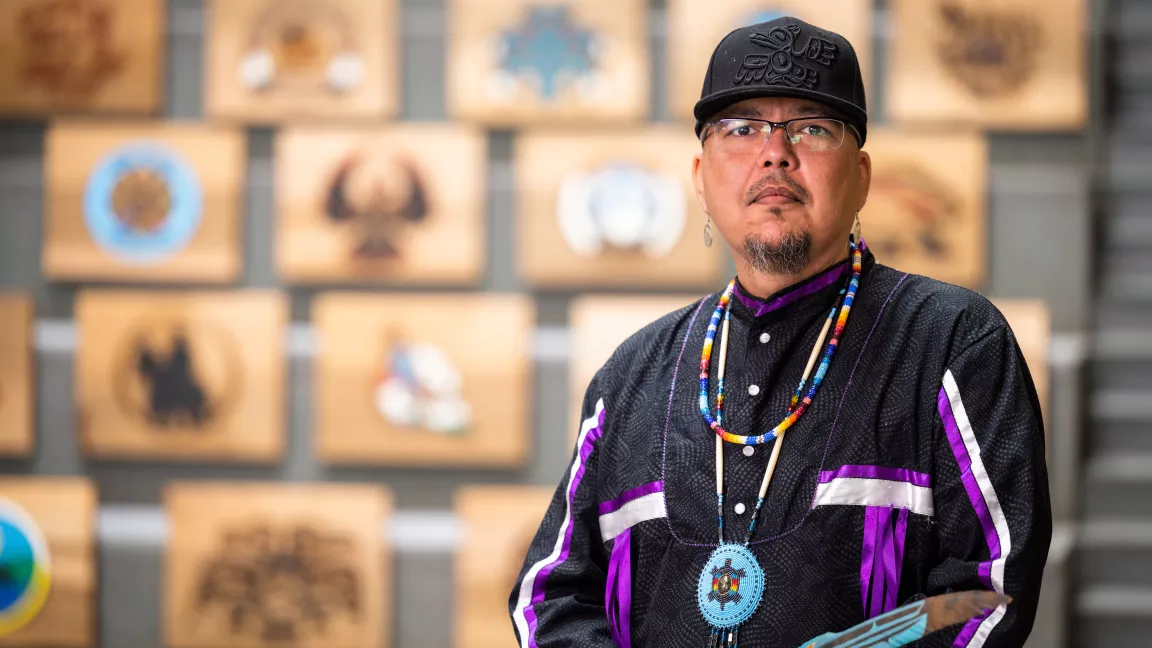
864,168
698,180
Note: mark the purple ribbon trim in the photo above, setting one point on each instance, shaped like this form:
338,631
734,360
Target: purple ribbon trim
566,546
616,503
956,440
618,595
969,630
878,472
882,558
812,285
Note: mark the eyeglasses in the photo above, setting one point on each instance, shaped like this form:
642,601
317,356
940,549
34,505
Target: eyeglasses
740,136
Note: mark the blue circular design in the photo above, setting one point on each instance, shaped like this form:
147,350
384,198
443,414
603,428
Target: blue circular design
163,167
730,587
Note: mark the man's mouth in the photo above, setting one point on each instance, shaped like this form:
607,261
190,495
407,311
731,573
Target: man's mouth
775,195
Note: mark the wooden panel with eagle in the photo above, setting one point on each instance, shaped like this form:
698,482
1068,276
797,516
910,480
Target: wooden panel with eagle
143,202
499,523
375,205
927,207
250,565
48,562
597,209
1018,65
598,324
17,376
73,56
188,376
423,380
275,61
516,62
695,28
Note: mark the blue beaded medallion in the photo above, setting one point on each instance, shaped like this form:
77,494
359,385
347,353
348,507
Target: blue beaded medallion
730,586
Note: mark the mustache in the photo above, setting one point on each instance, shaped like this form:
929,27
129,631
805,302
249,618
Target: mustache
775,179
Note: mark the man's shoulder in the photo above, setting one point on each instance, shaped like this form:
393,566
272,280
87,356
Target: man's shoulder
661,336
945,308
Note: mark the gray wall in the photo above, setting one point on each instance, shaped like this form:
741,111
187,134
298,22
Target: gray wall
1039,244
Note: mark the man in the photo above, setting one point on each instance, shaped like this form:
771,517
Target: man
909,462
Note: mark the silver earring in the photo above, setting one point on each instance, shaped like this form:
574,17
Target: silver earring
856,229
708,231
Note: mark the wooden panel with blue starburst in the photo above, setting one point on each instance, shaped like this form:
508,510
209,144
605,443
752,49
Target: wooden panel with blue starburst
146,202
515,62
695,28
17,398
1018,65
47,562
94,56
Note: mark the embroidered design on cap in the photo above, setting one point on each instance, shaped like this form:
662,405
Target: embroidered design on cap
783,66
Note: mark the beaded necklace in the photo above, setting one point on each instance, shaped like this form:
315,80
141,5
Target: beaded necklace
732,576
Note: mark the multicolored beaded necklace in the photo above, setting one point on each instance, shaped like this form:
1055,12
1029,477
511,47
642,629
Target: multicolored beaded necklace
732,577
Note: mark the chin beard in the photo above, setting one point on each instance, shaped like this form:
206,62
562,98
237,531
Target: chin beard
788,257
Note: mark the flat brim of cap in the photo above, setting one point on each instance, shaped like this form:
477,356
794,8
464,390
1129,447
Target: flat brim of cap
713,103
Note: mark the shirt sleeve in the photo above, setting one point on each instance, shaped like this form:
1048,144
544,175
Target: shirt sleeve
558,598
993,513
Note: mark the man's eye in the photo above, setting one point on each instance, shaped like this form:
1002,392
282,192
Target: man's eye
741,131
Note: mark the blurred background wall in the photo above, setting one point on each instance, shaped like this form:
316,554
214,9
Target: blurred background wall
1068,222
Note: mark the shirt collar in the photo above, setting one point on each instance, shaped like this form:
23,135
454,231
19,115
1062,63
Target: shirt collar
833,276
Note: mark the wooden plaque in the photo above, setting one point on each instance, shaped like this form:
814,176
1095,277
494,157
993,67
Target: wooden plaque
1012,65
263,565
695,28
1031,323
927,206
423,380
181,376
17,376
611,210
512,62
52,519
598,324
70,56
500,522
271,61
377,205
143,202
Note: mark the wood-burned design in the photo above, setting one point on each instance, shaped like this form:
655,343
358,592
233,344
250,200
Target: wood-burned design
376,201
922,209
991,52
549,52
621,205
419,387
300,47
68,48
173,375
143,202
25,568
280,583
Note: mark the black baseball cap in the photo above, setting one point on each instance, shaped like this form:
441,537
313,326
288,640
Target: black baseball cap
784,57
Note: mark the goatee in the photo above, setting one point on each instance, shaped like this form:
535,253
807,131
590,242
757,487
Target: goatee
788,257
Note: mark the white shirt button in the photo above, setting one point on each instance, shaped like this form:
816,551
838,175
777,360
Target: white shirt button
739,508
764,337
753,389
748,450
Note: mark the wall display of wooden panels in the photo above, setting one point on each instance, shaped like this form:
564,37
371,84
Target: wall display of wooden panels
927,207
261,565
598,324
377,205
16,375
423,380
1031,324
67,56
500,522
695,28
270,61
47,558
512,62
143,202
611,209
188,376
1018,65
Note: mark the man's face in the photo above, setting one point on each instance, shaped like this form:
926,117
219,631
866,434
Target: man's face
778,202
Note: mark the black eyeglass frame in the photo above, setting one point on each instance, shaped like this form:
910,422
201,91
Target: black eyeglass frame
772,126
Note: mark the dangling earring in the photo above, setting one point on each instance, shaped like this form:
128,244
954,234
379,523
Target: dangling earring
856,230
708,231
